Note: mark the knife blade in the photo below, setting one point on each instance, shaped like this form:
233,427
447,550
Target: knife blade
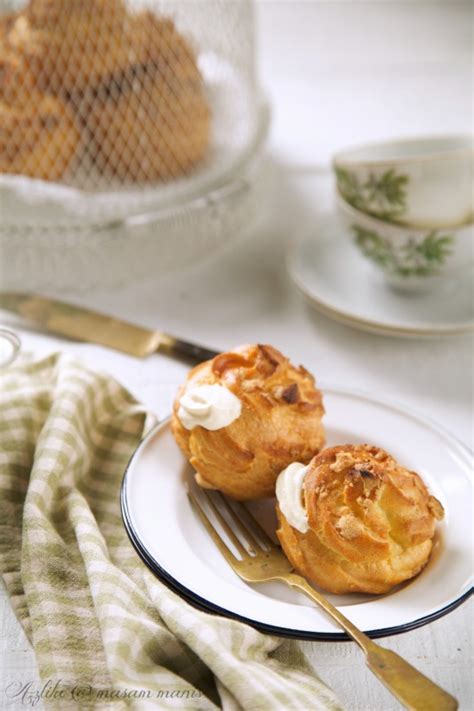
93,327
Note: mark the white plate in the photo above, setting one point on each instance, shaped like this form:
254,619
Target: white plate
340,282
172,541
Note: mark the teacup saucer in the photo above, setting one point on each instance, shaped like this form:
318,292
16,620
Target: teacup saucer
338,281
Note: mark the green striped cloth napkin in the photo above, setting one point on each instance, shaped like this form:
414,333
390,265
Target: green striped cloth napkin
106,632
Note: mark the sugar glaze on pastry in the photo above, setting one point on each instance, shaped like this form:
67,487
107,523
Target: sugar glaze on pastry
279,423
208,406
371,522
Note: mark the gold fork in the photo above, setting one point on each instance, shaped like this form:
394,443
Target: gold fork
261,561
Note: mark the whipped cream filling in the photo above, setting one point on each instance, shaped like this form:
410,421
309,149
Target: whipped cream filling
289,487
208,406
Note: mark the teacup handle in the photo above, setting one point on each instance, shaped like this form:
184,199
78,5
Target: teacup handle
15,344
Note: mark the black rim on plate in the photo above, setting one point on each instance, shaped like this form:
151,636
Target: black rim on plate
201,604
206,606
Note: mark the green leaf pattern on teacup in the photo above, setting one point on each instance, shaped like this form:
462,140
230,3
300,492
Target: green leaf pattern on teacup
413,258
381,195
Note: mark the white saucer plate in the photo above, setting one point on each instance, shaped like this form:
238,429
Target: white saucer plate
170,538
341,283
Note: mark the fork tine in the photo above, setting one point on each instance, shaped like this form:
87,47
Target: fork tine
261,532
226,527
226,552
245,531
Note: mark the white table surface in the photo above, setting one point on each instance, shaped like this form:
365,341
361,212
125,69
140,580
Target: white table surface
337,72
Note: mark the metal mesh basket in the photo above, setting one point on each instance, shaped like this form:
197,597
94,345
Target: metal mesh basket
111,109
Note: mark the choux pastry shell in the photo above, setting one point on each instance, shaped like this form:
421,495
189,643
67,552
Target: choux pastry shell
370,522
280,420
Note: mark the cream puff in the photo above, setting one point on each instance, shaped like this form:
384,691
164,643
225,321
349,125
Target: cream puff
83,46
72,46
130,77
354,520
243,416
39,136
150,130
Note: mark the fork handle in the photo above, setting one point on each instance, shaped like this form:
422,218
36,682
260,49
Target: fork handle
412,688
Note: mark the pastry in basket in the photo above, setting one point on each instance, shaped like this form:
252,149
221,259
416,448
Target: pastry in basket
150,131
157,126
71,47
6,22
131,77
354,520
243,416
77,46
38,133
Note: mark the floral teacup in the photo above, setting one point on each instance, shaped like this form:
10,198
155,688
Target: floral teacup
419,182
410,259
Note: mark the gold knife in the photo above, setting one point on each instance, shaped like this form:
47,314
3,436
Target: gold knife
93,327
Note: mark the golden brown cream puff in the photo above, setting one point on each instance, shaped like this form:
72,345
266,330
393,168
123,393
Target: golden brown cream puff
155,123
243,416
85,46
150,131
72,46
130,77
354,520
39,136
